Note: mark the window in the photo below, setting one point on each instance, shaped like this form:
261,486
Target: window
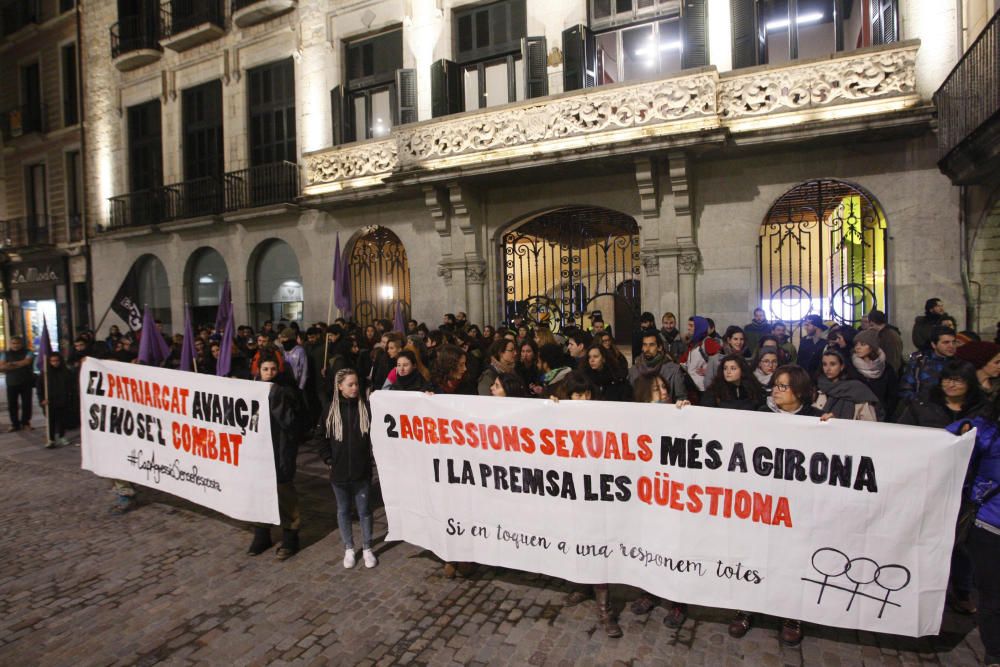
647,39
145,152
74,196
608,13
373,65
823,252
70,99
272,113
779,31
36,204
495,63
202,114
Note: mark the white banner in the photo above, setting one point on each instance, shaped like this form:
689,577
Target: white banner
200,437
841,523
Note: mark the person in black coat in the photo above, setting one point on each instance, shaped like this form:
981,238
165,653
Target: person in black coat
287,417
602,370
734,386
347,451
58,399
957,396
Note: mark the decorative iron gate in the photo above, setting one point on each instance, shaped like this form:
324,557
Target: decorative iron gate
380,276
823,252
562,265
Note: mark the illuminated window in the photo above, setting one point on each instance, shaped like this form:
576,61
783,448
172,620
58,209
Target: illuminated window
823,252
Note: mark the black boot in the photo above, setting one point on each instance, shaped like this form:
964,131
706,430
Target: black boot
261,541
289,544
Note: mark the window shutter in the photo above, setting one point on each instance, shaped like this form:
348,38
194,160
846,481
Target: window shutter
578,58
890,24
446,89
535,61
875,18
744,19
336,115
695,33
406,87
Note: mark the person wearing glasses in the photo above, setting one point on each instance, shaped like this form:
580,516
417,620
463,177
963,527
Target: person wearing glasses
792,393
957,396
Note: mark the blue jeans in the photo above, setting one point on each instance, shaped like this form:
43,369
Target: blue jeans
359,491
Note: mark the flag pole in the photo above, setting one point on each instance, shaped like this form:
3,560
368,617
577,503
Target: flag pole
326,339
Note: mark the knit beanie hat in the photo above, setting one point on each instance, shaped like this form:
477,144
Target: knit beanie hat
870,338
978,353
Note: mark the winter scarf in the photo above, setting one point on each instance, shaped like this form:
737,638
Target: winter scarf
871,369
843,396
762,377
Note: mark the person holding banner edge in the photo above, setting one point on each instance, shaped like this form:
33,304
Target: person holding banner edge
287,416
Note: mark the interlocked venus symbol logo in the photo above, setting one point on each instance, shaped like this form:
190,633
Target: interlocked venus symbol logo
861,577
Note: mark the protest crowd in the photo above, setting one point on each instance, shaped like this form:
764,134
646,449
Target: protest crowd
322,377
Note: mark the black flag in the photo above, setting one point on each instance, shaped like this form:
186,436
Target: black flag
124,304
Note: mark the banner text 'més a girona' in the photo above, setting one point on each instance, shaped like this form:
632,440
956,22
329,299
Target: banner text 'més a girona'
200,437
842,523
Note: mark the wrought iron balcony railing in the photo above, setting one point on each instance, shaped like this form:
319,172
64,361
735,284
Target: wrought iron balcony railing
31,230
970,96
17,14
741,102
134,33
136,209
192,199
263,185
22,120
176,16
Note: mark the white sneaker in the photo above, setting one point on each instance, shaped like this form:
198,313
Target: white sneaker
62,441
349,559
370,560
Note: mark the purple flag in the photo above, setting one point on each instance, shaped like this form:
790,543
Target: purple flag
44,347
225,305
187,348
336,260
342,287
153,350
225,364
397,323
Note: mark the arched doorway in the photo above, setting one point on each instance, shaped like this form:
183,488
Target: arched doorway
561,266
277,284
380,276
206,275
823,252
154,290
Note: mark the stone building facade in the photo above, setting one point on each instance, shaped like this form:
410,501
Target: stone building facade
546,158
42,231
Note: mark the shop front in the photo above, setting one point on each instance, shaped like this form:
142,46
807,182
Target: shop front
36,293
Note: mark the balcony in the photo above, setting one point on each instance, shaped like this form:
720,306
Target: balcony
968,105
855,91
192,199
16,15
22,120
26,232
251,12
135,41
186,23
205,198
263,185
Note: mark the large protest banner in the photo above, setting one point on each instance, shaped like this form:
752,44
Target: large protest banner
841,523
200,437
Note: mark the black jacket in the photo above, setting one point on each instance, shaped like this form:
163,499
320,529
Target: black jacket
62,387
612,385
287,417
350,459
737,397
934,415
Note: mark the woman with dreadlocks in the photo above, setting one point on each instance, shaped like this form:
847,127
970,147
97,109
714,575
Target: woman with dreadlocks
347,450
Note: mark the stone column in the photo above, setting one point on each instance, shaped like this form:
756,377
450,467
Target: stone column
475,275
687,267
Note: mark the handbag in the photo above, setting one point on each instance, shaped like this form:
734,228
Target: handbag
967,513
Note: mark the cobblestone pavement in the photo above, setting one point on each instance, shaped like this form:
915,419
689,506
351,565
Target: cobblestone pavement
170,582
